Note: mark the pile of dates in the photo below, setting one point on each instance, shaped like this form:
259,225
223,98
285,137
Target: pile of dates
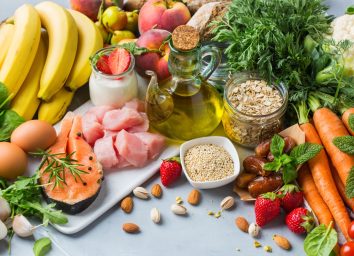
254,178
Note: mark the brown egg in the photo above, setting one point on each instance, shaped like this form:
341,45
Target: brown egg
33,135
13,160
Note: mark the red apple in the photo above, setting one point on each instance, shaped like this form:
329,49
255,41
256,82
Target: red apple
90,7
157,62
163,14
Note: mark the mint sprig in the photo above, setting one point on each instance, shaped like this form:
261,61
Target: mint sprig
288,164
345,144
320,241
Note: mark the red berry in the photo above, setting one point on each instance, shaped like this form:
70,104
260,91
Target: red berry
351,230
119,61
170,171
291,197
266,208
347,249
102,65
300,220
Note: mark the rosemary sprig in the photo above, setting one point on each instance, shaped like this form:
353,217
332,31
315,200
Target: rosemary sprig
57,164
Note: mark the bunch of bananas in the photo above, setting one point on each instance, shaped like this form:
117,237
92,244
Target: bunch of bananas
42,69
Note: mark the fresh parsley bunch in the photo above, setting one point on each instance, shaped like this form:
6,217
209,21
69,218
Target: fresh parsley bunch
288,164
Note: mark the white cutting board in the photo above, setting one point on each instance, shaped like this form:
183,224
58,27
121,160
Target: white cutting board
116,185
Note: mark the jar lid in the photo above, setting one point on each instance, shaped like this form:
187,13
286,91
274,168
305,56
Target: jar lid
185,38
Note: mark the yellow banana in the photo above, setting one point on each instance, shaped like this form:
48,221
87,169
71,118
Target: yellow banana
26,102
90,40
23,48
53,110
63,38
6,35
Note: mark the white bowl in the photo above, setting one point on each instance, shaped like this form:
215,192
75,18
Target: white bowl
216,140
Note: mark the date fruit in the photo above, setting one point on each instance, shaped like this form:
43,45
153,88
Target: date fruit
244,179
255,164
263,185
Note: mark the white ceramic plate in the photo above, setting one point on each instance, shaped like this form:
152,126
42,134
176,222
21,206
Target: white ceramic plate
117,184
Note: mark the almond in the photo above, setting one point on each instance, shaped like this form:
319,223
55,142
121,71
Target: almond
242,224
131,228
194,197
282,242
156,191
127,204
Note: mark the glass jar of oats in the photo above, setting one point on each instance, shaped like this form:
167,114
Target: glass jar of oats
254,109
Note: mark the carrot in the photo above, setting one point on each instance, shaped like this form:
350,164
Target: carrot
345,119
341,189
329,126
321,173
312,196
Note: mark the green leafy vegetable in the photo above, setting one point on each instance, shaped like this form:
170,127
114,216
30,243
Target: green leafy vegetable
345,144
349,186
25,197
304,152
320,241
350,10
9,121
134,49
288,164
42,246
268,36
351,122
277,145
4,97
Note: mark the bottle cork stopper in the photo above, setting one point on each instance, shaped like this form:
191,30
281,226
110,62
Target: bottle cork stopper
185,38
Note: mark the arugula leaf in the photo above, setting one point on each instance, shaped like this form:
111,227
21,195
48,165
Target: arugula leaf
320,241
351,122
349,186
9,121
277,145
42,246
350,10
289,173
304,152
345,144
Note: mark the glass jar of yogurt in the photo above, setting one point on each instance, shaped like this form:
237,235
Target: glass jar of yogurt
113,90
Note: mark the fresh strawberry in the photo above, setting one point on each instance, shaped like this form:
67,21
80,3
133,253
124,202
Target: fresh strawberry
291,197
300,220
102,65
170,170
266,208
119,61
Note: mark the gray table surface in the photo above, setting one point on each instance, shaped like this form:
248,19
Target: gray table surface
195,234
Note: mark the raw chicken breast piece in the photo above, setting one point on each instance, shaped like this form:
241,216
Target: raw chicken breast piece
99,112
136,104
119,119
131,148
154,142
106,153
91,129
143,127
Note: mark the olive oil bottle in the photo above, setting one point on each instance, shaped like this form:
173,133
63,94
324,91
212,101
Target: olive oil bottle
185,106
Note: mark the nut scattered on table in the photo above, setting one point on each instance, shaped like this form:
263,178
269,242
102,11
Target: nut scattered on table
179,200
242,224
131,228
141,193
253,230
156,191
227,203
155,215
256,244
267,248
282,242
127,204
194,197
178,209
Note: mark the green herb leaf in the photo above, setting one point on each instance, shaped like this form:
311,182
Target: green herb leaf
345,144
273,166
349,186
134,49
320,241
289,173
9,121
350,10
351,122
42,246
304,152
4,97
277,145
